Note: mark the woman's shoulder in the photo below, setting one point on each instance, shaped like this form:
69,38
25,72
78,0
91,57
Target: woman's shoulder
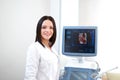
35,47
33,50
35,44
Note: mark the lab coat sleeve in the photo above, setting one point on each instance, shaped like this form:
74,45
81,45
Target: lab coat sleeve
32,62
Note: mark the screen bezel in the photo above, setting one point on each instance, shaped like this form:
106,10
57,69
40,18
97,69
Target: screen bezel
79,54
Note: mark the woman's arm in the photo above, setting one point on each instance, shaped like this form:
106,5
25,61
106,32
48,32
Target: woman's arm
32,62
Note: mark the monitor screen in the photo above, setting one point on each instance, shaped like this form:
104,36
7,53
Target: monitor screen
79,41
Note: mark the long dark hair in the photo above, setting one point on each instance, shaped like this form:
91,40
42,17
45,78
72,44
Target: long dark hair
38,30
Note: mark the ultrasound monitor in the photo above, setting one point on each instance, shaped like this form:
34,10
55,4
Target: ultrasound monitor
79,41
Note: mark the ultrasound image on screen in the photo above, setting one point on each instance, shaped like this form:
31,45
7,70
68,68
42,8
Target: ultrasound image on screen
80,40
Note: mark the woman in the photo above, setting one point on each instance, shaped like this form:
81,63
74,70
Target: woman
42,60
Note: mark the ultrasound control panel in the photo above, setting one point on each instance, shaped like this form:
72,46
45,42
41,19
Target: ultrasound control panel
72,73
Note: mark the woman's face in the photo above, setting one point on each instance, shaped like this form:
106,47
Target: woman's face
46,30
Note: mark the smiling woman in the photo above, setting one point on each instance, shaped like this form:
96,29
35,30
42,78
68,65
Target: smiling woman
42,60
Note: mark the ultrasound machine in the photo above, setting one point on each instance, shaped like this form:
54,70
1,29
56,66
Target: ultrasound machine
79,42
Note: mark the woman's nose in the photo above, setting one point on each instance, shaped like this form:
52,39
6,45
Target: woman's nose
47,29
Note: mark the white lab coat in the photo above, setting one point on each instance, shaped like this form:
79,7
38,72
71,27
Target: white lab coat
41,63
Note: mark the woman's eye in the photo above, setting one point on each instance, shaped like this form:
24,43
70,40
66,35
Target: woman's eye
43,27
51,27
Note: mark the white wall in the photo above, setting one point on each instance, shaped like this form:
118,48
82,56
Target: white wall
69,12
108,35
102,13
18,20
